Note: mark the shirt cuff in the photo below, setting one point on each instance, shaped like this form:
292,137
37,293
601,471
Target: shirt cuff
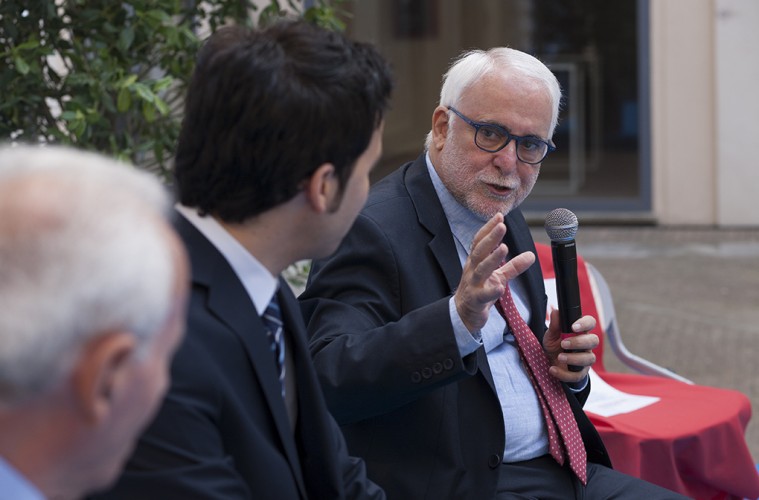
466,341
579,386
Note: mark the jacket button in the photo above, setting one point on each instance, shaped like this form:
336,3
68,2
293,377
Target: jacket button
416,377
426,372
437,368
494,461
448,364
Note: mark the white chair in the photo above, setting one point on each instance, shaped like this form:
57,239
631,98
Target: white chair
607,317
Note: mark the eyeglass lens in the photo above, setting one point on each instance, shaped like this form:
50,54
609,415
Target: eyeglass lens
491,139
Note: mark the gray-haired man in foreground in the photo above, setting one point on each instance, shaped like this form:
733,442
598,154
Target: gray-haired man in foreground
93,285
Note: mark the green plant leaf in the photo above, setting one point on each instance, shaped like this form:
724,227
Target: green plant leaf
21,65
144,92
161,106
148,112
163,83
123,100
70,115
29,44
128,80
126,37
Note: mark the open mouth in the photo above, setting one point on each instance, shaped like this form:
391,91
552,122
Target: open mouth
499,190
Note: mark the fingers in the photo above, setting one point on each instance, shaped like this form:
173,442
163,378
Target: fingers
478,288
485,230
581,342
584,324
484,278
558,345
487,250
488,253
570,377
516,266
584,359
582,346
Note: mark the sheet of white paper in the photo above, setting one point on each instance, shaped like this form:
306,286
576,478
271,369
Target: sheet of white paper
606,401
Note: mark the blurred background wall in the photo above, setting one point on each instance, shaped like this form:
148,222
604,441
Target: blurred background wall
659,122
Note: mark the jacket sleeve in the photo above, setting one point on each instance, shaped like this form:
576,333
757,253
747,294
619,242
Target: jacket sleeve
376,346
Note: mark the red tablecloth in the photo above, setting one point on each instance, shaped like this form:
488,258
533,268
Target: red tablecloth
691,441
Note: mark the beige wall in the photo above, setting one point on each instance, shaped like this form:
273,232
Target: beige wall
705,104
737,92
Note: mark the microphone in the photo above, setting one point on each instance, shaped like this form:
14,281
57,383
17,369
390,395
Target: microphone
561,226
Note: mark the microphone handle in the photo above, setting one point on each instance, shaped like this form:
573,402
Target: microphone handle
567,287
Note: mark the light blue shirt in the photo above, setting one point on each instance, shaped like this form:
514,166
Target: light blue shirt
14,486
524,424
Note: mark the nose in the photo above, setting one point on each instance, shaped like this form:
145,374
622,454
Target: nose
506,159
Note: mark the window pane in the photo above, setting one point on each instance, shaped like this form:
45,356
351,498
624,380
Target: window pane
591,45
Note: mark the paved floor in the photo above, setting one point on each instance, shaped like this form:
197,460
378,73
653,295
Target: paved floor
686,299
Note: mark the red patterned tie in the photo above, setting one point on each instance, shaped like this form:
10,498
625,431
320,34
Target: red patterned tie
563,433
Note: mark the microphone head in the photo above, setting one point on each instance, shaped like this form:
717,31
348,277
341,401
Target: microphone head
561,225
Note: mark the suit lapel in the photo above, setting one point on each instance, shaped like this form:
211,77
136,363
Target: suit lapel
229,303
431,216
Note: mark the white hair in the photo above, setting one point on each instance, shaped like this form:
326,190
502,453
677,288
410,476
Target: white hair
84,250
471,66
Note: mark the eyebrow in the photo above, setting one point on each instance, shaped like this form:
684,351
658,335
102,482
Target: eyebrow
499,125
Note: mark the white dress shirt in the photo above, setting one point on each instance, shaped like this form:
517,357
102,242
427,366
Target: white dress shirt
260,284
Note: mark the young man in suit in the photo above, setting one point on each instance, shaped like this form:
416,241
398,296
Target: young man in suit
431,383
93,287
281,129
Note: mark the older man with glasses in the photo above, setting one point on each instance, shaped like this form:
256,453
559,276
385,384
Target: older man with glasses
428,324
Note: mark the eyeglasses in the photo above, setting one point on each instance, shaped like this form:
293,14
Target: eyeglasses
492,138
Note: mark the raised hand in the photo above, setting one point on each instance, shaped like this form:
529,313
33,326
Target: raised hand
484,278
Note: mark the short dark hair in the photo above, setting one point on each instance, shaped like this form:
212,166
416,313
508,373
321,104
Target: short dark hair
265,108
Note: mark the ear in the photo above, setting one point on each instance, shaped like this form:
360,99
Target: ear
100,371
440,123
322,188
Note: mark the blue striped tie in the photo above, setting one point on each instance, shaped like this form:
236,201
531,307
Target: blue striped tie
272,318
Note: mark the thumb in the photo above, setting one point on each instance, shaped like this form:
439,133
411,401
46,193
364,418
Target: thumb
553,334
517,265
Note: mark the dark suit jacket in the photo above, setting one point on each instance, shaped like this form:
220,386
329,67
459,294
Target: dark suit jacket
428,423
223,430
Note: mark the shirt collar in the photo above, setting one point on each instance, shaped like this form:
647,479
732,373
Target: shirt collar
14,485
260,284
